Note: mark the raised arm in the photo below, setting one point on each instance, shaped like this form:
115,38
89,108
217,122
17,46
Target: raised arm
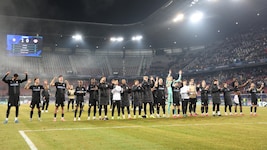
243,85
67,84
52,83
156,82
4,79
27,86
26,77
170,73
180,77
261,87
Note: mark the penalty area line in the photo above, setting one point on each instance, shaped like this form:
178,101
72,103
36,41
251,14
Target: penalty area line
28,140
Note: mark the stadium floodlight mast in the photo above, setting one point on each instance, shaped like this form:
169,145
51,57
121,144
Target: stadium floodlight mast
116,39
196,17
137,38
77,37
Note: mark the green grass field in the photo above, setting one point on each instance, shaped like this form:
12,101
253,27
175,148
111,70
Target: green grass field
225,132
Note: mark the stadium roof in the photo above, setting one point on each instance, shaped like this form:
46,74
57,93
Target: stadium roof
98,20
98,11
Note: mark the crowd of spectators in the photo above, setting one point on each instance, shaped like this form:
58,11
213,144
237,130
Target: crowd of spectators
240,49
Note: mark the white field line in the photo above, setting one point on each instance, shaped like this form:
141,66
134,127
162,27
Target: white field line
152,126
28,140
33,147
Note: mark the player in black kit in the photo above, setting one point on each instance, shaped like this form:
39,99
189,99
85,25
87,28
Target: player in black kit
36,93
80,92
147,86
137,93
204,91
46,96
176,86
104,88
61,87
93,97
237,94
215,94
13,92
125,98
253,90
227,98
160,96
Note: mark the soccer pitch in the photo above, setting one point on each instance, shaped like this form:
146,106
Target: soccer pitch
225,132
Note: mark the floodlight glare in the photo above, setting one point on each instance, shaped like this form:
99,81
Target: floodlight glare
116,39
112,39
119,39
196,17
137,38
77,37
179,17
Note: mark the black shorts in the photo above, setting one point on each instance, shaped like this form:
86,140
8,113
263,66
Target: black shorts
240,103
79,104
60,98
176,101
13,100
137,103
254,102
59,103
72,100
92,102
205,102
46,100
161,102
192,100
34,103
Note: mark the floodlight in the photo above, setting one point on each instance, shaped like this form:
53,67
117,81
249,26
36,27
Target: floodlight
137,38
77,37
119,39
179,17
116,39
196,17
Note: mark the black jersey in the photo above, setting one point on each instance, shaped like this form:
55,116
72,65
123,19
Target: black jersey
61,87
236,89
93,91
137,93
148,97
104,89
204,93
36,92
215,94
46,93
176,92
160,92
125,95
14,85
80,93
227,96
253,93
226,92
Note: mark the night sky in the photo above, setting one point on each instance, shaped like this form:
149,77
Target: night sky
100,11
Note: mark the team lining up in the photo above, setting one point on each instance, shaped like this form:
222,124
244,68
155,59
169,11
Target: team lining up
151,92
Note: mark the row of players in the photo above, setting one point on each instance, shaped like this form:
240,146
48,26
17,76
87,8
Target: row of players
150,92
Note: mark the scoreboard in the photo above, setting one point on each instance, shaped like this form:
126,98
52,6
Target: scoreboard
21,45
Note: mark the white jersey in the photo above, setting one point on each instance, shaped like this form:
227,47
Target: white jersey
184,92
116,92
